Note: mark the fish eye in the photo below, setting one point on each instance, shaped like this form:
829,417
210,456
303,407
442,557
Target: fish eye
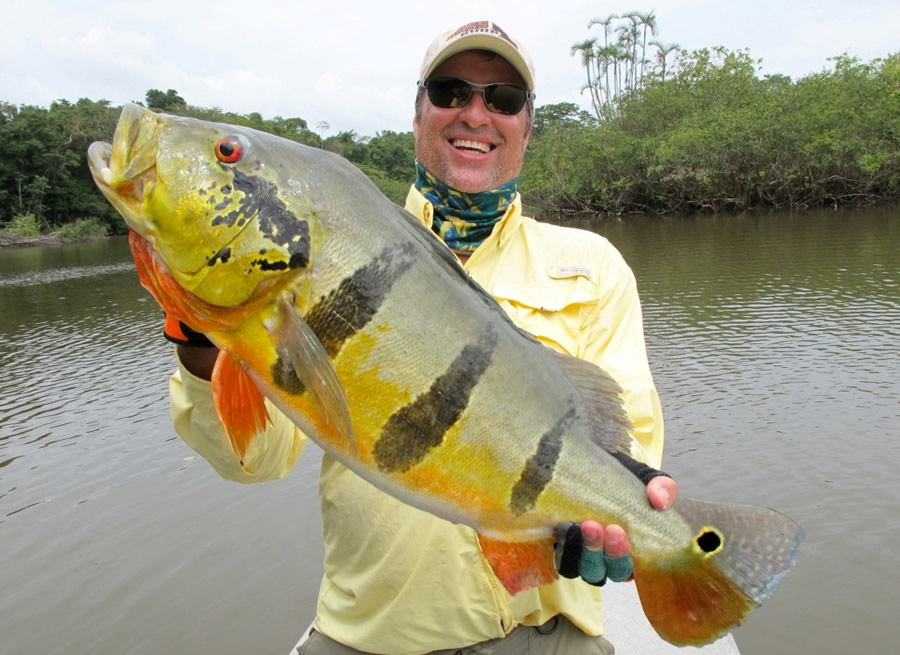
229,149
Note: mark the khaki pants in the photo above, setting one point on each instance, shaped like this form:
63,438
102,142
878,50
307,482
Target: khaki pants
556,637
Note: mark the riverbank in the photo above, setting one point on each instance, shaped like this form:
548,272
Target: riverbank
51,239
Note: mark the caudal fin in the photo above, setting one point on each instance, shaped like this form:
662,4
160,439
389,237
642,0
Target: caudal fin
736,558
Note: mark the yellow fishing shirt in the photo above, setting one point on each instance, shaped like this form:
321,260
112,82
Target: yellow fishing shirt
398,580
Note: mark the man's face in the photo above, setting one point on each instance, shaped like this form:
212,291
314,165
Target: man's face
470,148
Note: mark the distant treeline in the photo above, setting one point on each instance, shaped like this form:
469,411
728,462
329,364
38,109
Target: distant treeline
710,134
703,133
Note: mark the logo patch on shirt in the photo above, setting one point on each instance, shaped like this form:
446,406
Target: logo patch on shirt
581,270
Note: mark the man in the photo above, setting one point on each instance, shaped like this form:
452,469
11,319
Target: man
401,581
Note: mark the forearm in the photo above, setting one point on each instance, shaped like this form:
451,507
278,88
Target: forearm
198,360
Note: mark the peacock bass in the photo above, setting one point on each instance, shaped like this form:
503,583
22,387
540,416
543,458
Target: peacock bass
364,329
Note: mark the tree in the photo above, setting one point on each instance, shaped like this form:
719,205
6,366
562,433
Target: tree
169,101
591,59
663,50
624,59
394,153
647,20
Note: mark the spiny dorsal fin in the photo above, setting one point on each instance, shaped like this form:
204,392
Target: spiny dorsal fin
600,393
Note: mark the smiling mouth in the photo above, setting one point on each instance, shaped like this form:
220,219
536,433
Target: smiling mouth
466,144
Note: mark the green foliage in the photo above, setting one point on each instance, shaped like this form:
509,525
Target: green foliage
81,229
394,189
169,101
22,226
697,131
44,171
43,167
713,135
394,153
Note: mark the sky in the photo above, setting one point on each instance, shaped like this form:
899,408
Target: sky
353,64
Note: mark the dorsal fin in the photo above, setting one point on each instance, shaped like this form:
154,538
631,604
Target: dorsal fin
600,393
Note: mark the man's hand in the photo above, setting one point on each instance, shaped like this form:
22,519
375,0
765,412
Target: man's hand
196,352
596,553
199,361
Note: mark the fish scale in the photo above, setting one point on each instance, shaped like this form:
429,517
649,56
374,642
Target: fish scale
363,328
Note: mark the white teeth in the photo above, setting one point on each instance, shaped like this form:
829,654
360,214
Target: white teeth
475,145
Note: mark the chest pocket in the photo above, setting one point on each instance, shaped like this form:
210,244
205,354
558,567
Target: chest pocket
554,310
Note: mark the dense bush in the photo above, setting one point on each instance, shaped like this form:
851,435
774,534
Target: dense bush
715,136
21,226
81,228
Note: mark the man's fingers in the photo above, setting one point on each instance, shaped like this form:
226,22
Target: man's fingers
616,542
593,535
662,492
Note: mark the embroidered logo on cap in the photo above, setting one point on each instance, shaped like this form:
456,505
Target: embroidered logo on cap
482,26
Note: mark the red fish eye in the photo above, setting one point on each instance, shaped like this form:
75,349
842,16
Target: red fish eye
229,150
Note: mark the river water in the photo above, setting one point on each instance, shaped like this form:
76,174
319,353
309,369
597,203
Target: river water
775,345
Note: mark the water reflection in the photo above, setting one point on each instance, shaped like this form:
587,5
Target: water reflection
773,341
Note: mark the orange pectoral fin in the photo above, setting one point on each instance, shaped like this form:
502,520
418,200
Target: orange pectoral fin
238,402
520,565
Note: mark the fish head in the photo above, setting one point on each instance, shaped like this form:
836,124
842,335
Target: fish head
206,199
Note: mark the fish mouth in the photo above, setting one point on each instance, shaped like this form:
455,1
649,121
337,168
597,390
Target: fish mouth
125,170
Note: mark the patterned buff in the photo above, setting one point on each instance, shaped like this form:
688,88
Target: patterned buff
464,220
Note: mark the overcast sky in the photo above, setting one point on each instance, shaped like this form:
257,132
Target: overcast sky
354,63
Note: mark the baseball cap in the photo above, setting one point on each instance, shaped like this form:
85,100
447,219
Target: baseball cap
480,35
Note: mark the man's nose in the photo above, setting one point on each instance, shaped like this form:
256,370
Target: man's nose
475,111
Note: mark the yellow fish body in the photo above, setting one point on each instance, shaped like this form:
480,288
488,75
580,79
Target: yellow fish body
363,328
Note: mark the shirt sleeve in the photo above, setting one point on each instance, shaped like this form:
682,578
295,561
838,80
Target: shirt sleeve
272,453
614,341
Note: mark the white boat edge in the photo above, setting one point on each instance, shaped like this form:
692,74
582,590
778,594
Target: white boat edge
628,629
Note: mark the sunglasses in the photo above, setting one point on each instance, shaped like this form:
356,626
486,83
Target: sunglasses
452,92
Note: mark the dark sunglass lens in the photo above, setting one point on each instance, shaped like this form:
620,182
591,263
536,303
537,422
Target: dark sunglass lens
449,93
504,98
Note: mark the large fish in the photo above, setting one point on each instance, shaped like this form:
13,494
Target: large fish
363,328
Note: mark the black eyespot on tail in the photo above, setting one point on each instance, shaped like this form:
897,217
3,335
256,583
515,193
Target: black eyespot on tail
709,540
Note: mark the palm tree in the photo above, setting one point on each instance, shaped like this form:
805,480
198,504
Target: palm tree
662,53
589,61
605,22
647,20
626,44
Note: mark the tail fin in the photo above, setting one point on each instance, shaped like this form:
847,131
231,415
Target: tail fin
736,558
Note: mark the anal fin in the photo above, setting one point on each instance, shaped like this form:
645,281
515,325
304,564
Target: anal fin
520,565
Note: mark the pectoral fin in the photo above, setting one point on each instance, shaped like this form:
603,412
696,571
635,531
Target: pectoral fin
238,402
520,565
315,370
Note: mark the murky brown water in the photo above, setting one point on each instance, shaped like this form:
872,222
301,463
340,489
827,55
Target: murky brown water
775,342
